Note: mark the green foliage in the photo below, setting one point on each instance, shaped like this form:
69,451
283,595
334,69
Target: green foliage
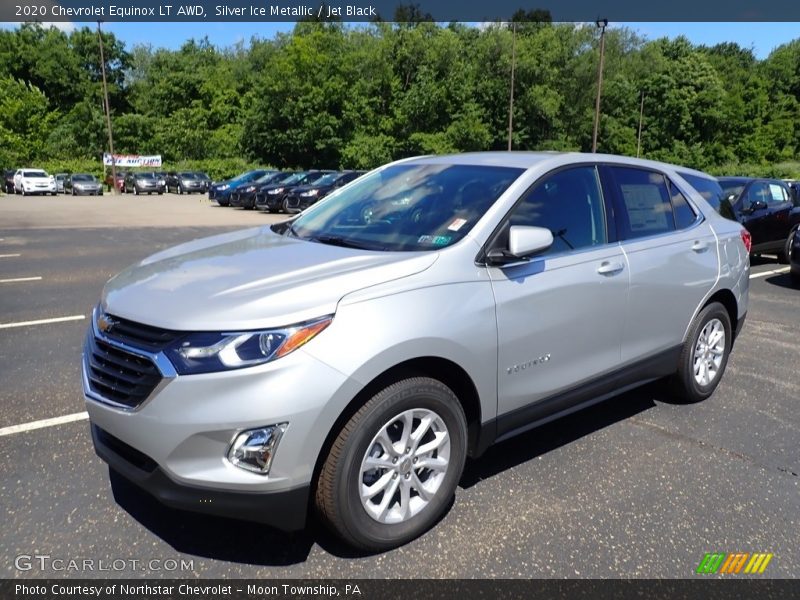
334,95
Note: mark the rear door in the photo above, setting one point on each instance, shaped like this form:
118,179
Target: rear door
672,255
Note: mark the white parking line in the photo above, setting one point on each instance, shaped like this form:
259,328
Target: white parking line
768,273
20,279
9,255
43,423
41,321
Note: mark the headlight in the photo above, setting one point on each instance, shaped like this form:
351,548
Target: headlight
78,186
222,188
309,194
162,182
250,188
209,352
275,191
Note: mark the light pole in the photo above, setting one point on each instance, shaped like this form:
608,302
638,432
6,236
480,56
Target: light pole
639,137
107,111
511,96
602,24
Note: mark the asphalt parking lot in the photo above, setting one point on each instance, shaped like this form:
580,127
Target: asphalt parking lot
636,487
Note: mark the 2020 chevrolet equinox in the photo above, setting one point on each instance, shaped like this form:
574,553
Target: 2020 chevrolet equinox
348,360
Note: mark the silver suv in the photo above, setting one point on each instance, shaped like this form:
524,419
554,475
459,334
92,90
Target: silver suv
347,361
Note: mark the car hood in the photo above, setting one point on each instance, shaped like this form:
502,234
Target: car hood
249,279
37,179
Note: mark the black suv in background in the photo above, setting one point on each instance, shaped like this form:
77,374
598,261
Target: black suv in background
304,196
767,209
185,182
244,196
271,197
8,180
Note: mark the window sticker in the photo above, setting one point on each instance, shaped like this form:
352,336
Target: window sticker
457,224
435,240
777,192
646,209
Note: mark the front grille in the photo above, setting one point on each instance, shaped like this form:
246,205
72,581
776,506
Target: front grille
118,375
147,337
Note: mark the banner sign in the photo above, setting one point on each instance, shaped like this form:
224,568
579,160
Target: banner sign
132,160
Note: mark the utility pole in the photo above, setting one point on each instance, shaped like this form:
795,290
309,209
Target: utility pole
602,24
511,96
639,138
107,111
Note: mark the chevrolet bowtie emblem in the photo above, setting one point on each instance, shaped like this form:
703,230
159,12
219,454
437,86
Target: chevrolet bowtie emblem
105,323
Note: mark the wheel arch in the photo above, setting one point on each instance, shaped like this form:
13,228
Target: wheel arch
441,369
728,300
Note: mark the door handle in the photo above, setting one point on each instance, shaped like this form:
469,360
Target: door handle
609,268
700,246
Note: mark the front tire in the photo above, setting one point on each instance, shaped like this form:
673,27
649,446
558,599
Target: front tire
705,354
394,466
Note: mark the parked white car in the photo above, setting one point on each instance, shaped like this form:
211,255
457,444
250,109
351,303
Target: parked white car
34,181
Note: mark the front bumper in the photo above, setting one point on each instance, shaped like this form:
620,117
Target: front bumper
271,202
285,510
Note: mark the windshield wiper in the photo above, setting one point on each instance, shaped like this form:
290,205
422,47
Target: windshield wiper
335,240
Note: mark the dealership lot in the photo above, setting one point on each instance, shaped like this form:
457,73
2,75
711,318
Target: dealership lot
635,487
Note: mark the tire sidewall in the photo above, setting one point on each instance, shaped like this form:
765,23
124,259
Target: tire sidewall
424,395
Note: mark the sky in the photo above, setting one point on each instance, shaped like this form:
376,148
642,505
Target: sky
762,37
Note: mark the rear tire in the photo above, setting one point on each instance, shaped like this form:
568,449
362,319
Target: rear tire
783,255
406,447
704,355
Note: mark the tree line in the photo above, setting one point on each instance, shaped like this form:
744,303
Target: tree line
343,96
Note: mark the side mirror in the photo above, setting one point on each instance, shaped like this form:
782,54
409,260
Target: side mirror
758,205
523,242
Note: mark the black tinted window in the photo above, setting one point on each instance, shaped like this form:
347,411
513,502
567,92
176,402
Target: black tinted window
684,214
646,202
709,189
570,204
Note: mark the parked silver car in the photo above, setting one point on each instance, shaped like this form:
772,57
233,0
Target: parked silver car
351,358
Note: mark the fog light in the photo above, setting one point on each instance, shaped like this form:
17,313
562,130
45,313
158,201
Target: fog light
253,449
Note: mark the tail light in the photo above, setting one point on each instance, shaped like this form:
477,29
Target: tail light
747,239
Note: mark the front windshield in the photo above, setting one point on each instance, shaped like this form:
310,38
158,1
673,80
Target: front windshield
188,176
732,187
295,178
83,178
145,176
404,207
35,174
327,179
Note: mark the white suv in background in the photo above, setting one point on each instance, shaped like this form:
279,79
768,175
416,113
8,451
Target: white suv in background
34,181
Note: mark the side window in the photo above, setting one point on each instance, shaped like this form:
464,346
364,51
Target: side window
758,192
682,211
646,202
568,203
777,194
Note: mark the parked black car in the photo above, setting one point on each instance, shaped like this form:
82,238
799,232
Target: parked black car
185,182
8,180
300,198
143,183
766,208
245,195
221,190
271,197
79,184
204,178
